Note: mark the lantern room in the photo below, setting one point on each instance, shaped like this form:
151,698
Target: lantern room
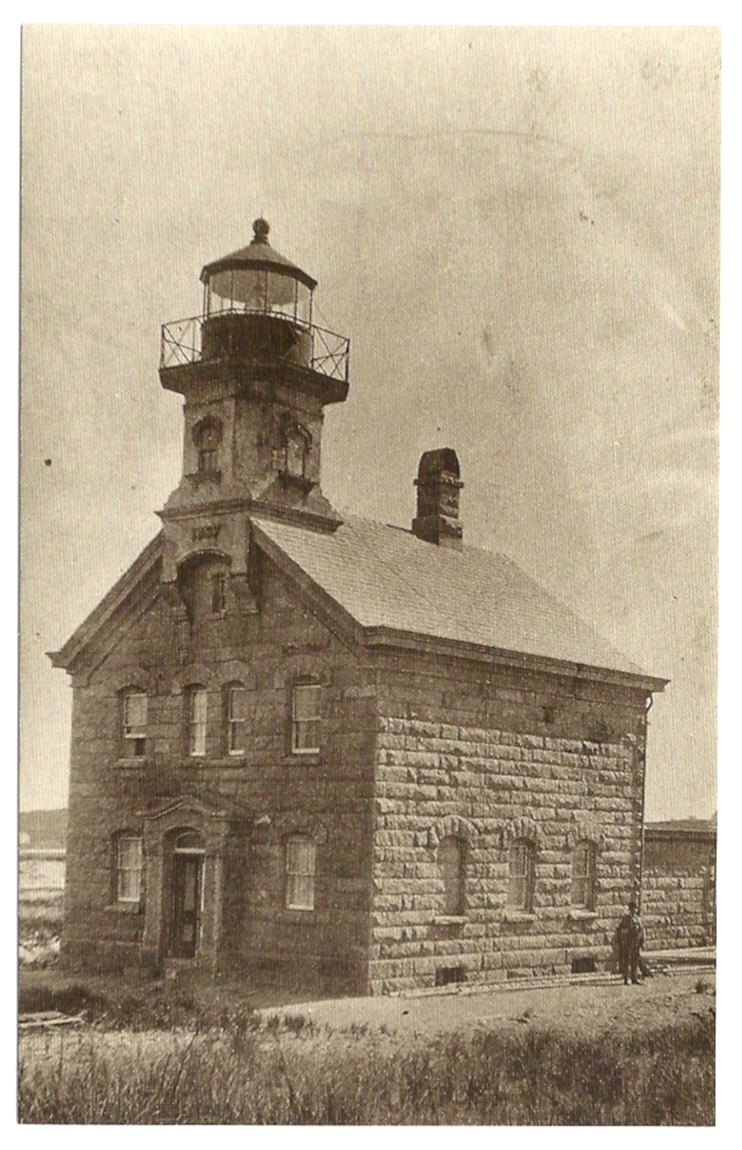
258,279
257,320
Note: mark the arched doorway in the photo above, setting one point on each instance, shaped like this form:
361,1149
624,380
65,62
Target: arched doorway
186,890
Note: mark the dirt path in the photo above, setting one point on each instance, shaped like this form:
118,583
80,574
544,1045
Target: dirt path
583,1009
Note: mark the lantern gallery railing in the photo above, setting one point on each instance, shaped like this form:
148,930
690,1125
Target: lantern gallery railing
186,341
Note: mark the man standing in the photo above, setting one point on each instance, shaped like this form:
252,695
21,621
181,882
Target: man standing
630,939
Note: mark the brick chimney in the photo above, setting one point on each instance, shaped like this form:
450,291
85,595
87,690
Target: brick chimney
438,486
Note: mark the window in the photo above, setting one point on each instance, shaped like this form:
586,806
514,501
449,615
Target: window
207,436
521,875
583,875
301,855
135,723
128,868
218,593
451,866
305,719
197,721
236,715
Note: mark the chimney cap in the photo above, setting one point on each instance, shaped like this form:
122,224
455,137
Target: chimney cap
434,464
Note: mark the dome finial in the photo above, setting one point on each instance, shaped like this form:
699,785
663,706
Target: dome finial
261,228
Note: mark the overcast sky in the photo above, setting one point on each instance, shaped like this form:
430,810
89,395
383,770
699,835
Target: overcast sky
518,229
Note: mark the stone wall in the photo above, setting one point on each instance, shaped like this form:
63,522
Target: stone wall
519,755
679,889
329,794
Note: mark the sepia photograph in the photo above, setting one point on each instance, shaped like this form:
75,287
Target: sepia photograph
369,414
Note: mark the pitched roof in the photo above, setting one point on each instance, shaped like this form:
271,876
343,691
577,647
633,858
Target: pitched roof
391,584
386,578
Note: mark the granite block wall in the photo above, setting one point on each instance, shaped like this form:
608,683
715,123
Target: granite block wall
520,755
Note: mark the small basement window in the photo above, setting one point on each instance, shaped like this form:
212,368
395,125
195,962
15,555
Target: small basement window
445,975
584,965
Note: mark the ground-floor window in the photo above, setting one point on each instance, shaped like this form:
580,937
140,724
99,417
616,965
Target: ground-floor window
301,859
521,873
583,876
128,868
451,866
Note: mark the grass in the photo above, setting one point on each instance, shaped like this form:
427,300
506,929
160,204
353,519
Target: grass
282,1073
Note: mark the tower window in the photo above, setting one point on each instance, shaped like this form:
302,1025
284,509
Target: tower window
207,435
135,723
197,721
305,718
301,859
521,875
583,875
236,716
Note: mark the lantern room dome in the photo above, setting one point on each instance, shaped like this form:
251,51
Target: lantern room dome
257,277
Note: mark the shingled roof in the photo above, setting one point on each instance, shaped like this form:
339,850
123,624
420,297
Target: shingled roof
388,580
394,587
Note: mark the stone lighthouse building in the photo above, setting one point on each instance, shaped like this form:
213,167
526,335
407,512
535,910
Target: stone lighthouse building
325,748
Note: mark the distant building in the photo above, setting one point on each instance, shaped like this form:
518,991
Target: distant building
326,747
679,883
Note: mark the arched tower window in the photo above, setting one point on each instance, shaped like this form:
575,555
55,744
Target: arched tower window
207,436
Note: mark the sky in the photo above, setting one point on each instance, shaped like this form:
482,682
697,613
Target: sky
518,228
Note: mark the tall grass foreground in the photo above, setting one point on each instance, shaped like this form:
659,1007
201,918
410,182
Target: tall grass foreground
250,1076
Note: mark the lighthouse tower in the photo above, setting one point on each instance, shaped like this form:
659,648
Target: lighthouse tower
256,373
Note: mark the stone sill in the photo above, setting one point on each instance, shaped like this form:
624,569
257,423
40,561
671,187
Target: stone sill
518,916
450,919
133,763
582,915
123,908
304,759
296,914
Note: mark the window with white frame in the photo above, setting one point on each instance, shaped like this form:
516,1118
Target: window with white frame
301,860
451,866
128,868
521,873
235,708
197,703
583,875
305,718
134,723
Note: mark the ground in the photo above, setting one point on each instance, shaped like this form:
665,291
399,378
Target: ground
584,1009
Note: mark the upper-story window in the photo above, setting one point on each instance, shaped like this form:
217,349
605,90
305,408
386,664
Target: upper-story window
218,593
583,875
521,875
134,723
305,718
207,435
235,708
128,868
197,704
451,855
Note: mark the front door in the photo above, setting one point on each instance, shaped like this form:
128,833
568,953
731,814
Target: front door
185,922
